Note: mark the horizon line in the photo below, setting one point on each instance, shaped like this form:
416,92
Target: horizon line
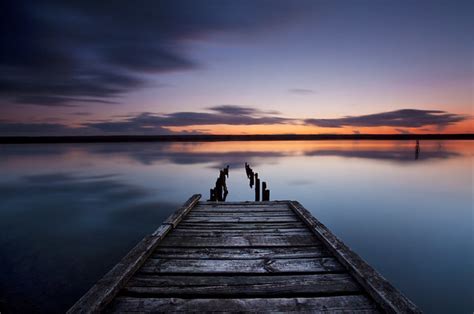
220,137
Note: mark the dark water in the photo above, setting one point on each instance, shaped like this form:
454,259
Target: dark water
68,213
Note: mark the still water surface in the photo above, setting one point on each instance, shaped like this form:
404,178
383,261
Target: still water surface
69,212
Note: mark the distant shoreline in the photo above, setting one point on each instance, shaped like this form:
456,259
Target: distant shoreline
222,138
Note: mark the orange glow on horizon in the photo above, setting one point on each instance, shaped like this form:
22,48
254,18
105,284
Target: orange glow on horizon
222,129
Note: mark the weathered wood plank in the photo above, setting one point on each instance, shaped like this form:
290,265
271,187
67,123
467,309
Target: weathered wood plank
241,286
240,252
389,298
253,209
241,219
266,265
245,240
233,232
178,215
241,214
245,203
339,304
241,225
222,255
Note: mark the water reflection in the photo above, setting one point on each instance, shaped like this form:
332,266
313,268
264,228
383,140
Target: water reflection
236,154
61,230
68,213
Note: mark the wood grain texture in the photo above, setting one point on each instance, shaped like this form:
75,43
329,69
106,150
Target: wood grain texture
241,209
240,252
241,226
285,213
236,232
247,204
242,219
241,286
244,240
178,215
337,304
244,266
242,256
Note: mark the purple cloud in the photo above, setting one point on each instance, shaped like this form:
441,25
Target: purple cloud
404,118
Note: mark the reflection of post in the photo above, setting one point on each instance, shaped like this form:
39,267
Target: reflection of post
417,149
257,188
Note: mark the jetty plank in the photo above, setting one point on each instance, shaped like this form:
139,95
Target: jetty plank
236,253
244,240
352,303
241,219
257,266
271,256
240,214
237,232
242,286
242,225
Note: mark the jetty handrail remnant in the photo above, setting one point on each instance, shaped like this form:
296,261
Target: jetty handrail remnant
96,299
387,296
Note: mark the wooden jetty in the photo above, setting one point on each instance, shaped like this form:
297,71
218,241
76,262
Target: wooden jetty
242,256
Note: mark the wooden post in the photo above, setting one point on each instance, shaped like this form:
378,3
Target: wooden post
265,192
266,195
257,188
212,195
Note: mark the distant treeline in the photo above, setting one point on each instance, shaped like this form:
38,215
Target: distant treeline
217,138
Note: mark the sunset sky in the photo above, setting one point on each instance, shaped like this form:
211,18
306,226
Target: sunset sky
236,67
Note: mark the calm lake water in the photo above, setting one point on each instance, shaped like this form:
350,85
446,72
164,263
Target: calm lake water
68,213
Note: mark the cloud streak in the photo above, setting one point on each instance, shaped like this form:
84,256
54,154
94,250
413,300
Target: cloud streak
227,114
405,118
59,53
148,123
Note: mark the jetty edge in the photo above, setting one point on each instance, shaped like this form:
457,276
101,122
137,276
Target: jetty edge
242,256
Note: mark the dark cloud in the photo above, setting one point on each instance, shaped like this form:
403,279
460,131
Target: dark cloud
238,110
150,123
227,114
147,123
61,52
406,118
7,129
301,91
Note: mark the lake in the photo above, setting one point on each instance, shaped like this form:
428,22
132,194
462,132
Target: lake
69,212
